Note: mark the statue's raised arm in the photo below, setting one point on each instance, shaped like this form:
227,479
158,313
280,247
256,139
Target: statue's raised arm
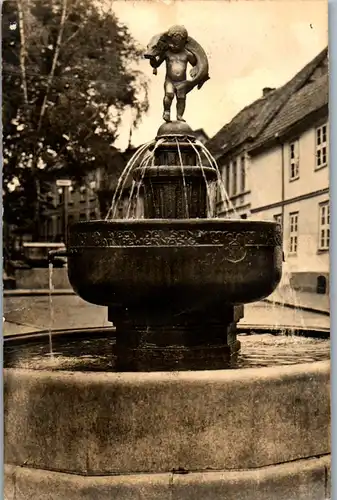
178,49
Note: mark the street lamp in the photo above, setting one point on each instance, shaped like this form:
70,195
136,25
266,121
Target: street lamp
65,185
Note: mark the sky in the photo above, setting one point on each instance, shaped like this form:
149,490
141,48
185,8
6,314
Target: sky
250,44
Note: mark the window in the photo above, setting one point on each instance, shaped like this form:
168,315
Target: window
243,174
278,218
83,193
92,186
70,194
321,285
324,226
294,161
321,147
293,232
234,177
227,182
60,196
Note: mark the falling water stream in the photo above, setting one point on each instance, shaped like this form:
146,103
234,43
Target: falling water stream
183,177
146,154
285,294
124,177
220,182
51,308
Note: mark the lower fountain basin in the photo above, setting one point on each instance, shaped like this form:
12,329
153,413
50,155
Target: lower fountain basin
254,433
174,265
91,349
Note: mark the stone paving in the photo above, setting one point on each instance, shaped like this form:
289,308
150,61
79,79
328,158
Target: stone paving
25,314
67,312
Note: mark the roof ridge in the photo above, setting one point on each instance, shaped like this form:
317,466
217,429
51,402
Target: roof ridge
235,118
307,100
252,120
294,85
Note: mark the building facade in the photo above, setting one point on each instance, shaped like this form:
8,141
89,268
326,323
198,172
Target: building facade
274,161
71,204
290,183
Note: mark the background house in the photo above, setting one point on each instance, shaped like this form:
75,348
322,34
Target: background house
273,158
290,180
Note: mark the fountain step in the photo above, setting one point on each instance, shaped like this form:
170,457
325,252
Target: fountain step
112,423
37,291
307,479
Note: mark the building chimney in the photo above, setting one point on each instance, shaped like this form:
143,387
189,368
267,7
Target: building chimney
267,90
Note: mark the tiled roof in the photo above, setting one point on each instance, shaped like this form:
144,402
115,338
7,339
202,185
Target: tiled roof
239,129
255,118
312,97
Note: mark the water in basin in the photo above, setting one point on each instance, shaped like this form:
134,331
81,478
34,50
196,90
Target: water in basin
94,353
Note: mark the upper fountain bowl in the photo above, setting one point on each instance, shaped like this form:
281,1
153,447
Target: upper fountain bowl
175,264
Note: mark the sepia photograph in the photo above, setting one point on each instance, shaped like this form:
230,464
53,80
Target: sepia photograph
166,240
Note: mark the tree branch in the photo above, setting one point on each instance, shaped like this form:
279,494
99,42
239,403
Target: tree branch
75,33
55,58
23,52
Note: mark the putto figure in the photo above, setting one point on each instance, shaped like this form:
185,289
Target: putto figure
178,49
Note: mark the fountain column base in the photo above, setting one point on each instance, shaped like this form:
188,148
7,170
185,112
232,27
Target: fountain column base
195,342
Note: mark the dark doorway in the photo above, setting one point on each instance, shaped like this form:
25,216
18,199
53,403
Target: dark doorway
321,285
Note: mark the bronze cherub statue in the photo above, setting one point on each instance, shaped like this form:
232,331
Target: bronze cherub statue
178,49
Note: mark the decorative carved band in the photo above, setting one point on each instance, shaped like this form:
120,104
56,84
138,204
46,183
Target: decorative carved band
175,238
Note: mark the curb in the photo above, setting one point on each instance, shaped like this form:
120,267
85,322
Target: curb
293,306
37,292
66,291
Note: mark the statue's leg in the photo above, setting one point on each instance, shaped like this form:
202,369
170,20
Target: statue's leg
181,104
169,95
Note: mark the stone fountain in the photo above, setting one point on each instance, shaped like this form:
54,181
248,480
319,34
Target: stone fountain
174,283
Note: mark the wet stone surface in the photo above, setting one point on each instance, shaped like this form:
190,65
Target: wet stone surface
33,314
95,353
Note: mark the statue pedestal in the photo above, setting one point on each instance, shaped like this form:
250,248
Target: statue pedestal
175,128
201,340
